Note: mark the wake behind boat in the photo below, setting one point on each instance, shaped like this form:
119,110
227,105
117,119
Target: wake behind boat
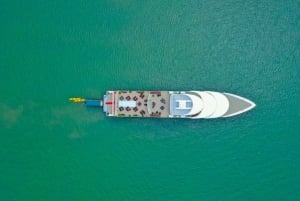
170,104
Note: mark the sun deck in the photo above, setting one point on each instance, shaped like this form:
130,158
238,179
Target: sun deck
137,103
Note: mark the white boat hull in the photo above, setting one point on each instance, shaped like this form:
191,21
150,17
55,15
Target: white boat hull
175,104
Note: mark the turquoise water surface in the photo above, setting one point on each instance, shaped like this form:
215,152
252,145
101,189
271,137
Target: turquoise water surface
51,149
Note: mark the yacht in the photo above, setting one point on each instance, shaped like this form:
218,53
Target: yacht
170,104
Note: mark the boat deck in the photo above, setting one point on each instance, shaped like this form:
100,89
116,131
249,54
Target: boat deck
138,103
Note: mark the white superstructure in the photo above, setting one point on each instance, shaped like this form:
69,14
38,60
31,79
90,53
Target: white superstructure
207,104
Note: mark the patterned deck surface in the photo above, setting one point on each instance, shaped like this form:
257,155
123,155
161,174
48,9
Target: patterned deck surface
148,103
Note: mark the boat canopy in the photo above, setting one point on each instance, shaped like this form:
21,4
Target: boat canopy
125,103
209,104
197,104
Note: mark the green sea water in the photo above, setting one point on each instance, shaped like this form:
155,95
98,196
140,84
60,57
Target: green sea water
54,150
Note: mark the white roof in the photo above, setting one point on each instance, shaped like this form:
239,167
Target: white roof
197,104
222,104
209,104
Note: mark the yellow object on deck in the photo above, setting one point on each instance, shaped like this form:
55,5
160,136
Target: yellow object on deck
77,100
